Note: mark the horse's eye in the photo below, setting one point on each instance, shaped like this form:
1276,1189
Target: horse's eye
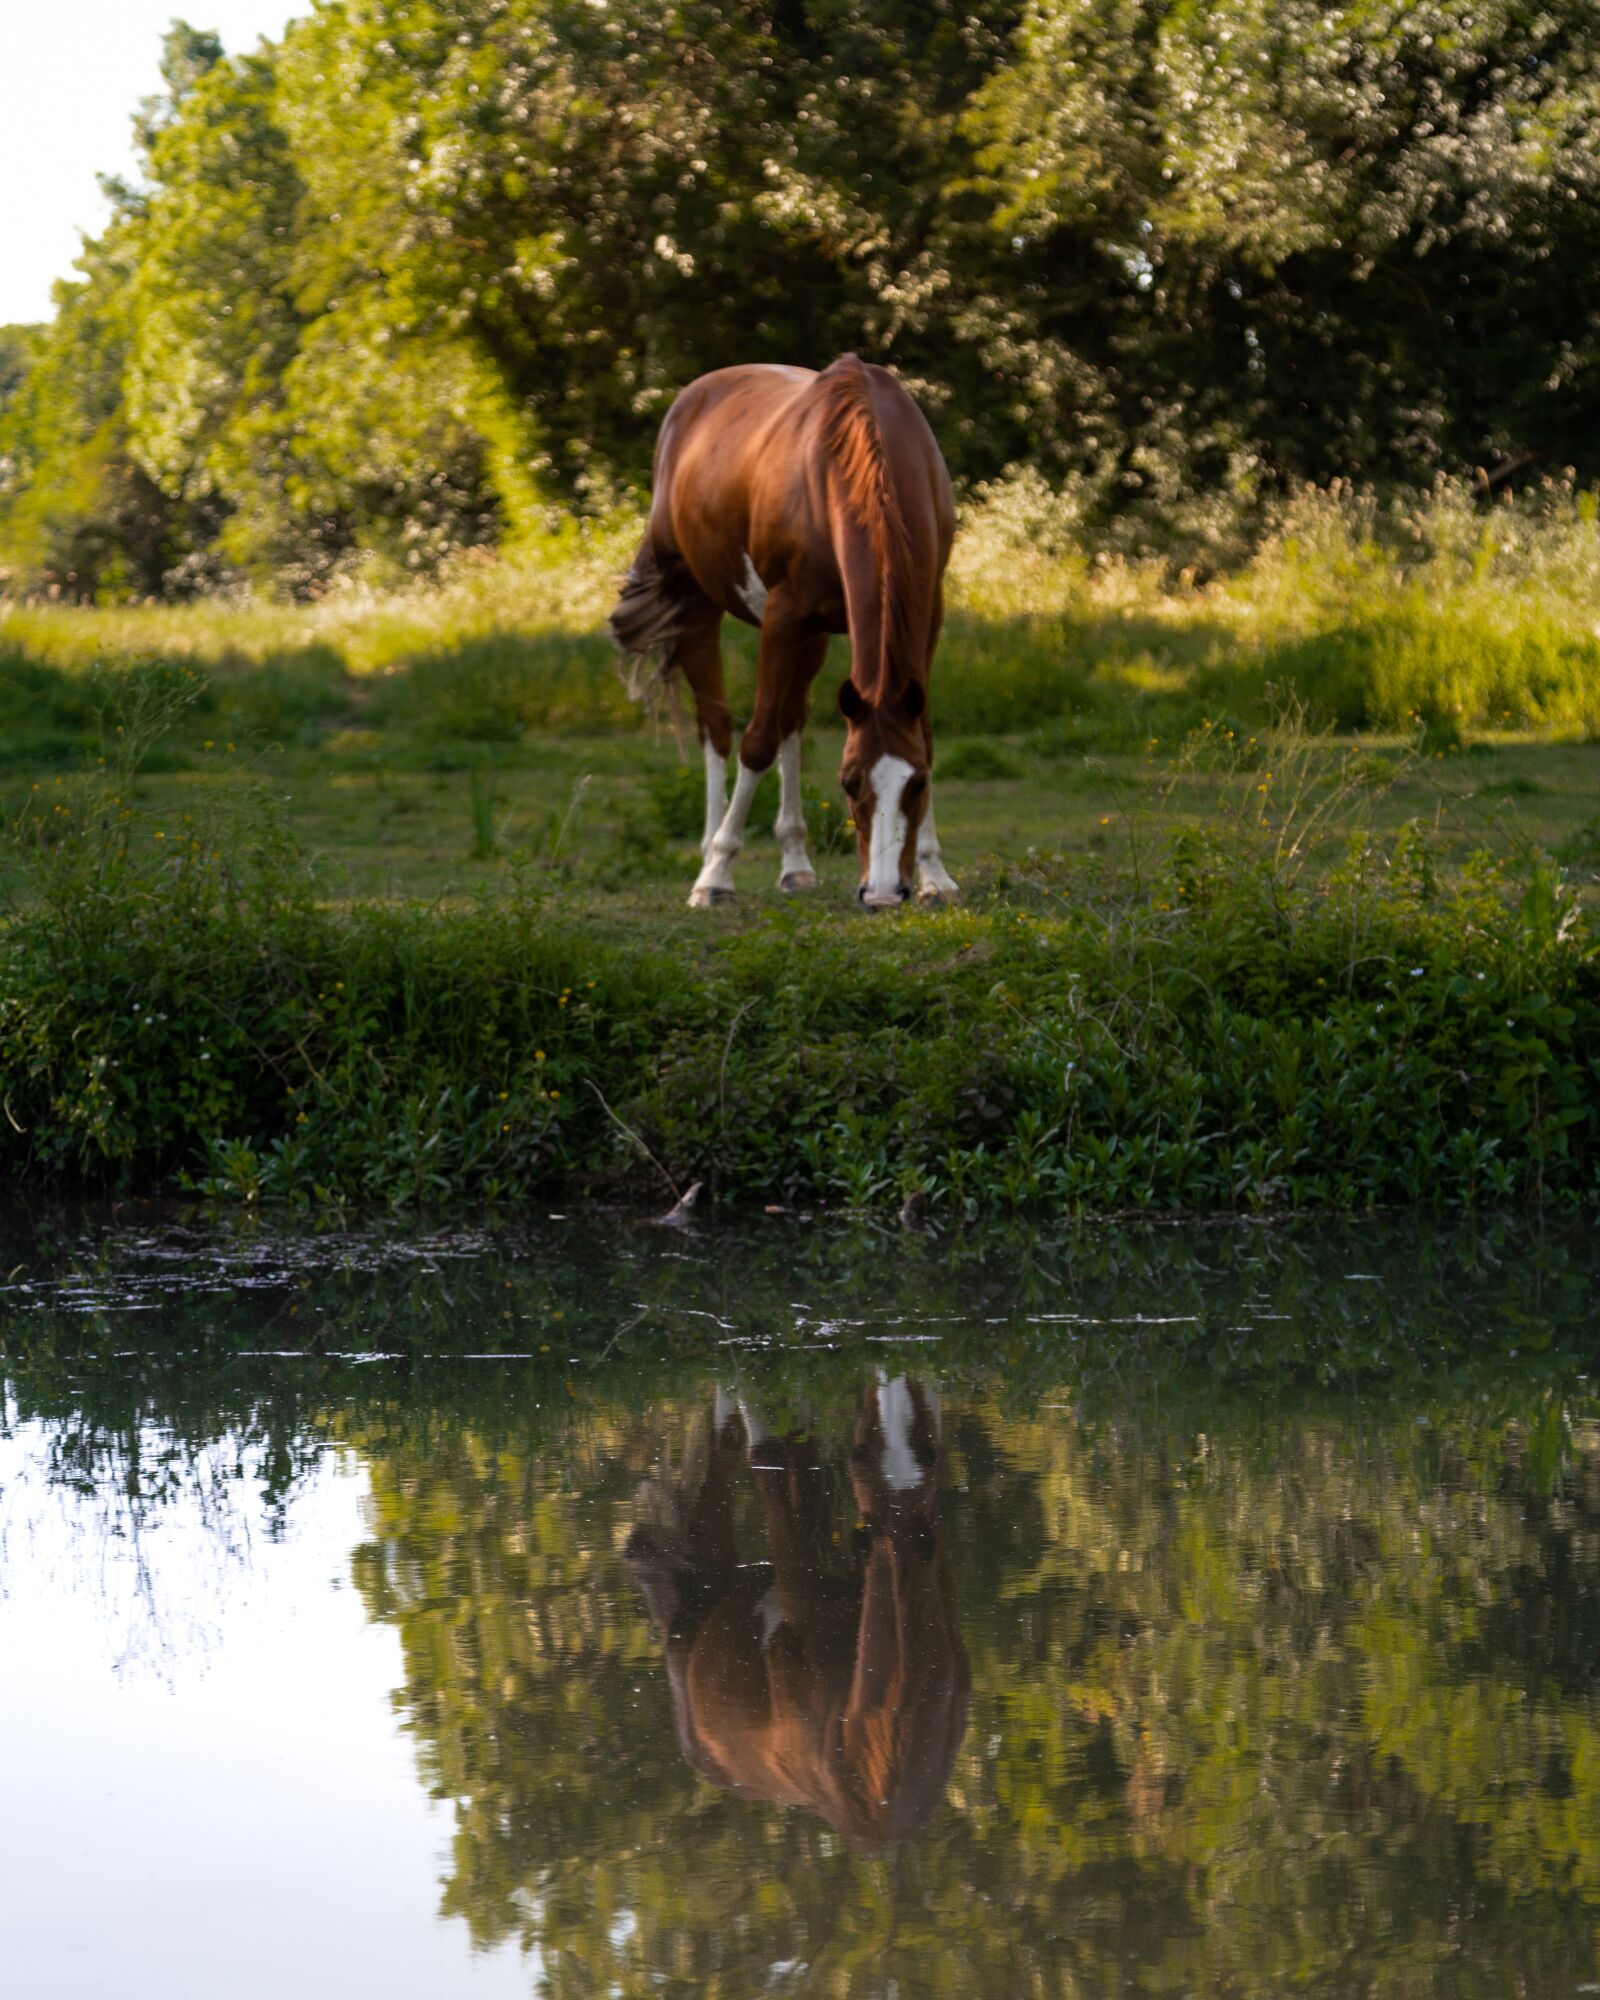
915,787
852,786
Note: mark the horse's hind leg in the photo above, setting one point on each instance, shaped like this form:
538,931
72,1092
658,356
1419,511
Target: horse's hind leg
790,659
662,613
699,656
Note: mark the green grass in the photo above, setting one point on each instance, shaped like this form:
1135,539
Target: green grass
432,742
294,892
1231,997
1434,611
619,816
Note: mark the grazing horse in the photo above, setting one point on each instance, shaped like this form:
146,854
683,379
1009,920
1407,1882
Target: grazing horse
843,1693
804,504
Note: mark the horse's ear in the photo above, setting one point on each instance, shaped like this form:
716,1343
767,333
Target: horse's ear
913,701
852,702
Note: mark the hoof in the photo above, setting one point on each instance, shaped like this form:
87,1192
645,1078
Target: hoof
932,898
797,882
705,899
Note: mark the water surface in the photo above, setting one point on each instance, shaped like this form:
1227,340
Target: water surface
593,1610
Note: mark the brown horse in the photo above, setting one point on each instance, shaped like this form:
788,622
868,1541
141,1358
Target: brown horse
804,504
843,1693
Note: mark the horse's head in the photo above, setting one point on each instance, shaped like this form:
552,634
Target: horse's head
884,772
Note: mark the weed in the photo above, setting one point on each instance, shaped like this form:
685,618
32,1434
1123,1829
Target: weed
482,795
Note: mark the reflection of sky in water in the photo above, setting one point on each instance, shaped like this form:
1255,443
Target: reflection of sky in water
205,1789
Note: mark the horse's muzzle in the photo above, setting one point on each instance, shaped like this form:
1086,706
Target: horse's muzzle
871,902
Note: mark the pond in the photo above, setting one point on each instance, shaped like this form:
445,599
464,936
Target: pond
598,1609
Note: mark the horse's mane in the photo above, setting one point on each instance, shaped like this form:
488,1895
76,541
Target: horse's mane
850,429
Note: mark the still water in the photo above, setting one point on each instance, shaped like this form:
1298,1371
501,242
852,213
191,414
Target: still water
597,1610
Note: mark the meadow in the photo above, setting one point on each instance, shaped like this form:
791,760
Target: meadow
1275,890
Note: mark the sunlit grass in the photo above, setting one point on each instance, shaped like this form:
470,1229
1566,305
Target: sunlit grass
1439,612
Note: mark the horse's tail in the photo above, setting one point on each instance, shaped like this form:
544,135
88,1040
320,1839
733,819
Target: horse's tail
647,621
878,617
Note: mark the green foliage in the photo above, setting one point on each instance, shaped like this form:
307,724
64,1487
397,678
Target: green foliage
1243,1031
409,276
16,348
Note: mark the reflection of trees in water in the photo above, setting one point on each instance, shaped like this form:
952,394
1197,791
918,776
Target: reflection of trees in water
157,1519
1257,1692
125,1450
1295,1696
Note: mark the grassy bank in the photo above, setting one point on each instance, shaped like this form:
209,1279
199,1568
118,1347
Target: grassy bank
382,899
1253,1012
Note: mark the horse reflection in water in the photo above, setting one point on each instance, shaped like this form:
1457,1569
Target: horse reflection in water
843,1693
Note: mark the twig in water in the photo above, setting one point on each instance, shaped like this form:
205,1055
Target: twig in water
678,1217
627,1326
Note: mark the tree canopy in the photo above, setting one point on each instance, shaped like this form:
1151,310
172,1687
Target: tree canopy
413,274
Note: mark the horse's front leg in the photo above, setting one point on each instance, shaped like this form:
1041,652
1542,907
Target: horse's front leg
795,871
935,883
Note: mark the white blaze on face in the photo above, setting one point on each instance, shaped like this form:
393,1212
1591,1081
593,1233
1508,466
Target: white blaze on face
753,591
897,1413
888,779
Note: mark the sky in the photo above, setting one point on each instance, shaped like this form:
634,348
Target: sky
71,74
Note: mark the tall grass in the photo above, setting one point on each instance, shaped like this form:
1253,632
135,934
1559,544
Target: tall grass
1439,610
